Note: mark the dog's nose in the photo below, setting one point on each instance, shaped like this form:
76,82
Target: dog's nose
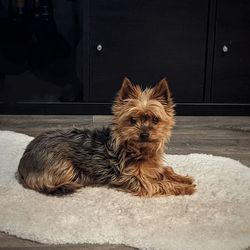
144,135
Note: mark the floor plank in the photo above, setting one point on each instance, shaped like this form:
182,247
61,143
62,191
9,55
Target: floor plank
35,124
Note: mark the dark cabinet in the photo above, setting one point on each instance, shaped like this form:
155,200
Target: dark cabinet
39,48
70,56
231,75
146,41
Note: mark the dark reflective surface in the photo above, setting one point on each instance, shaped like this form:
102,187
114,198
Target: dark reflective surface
231,75
40,51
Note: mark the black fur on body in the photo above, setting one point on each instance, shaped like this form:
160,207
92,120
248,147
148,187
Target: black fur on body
60,161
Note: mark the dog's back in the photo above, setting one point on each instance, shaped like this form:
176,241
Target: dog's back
61,161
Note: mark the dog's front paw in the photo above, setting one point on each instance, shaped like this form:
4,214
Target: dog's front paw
176,177
188,179
190,189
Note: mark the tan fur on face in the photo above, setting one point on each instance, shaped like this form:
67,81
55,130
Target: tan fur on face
132,101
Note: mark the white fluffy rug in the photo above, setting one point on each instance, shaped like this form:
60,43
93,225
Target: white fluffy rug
216,217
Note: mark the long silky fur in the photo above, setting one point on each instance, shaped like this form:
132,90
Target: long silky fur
62,161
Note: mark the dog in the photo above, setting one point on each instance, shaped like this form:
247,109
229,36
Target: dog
126,156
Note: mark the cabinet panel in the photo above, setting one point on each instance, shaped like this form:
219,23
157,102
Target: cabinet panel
146,41
231,75
40,51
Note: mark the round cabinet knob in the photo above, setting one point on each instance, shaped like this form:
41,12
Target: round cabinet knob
99,47
225,49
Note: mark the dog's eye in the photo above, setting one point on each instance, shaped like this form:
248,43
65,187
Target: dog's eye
132,120
155,120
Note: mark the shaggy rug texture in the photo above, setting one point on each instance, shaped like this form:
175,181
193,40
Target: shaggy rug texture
216,217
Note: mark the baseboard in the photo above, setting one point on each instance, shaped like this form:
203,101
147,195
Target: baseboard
194,109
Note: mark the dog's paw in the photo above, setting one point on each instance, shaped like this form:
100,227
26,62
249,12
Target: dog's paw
188,179
190,189
186,189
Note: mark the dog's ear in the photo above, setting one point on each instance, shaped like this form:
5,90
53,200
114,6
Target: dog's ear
128,90
161,91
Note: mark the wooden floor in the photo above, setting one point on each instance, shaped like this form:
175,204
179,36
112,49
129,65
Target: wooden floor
224,136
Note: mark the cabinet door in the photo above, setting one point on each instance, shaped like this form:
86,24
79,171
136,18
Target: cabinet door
147,40
231,75
40,51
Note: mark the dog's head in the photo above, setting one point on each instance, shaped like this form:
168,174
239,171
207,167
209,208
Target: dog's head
143,117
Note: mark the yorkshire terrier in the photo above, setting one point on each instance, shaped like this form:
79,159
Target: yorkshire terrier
126,156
